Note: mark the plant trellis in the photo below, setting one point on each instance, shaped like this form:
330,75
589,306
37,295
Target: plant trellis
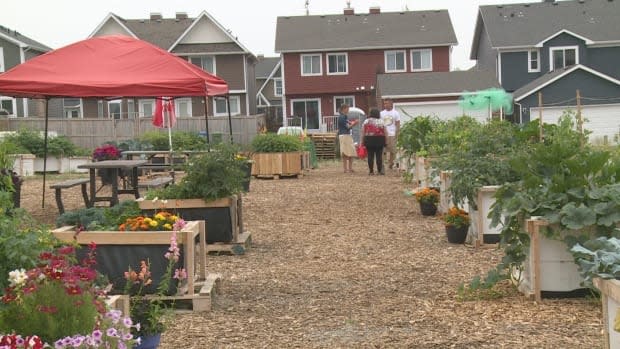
493,98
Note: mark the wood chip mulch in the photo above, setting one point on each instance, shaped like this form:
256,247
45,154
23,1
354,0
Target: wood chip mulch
347,261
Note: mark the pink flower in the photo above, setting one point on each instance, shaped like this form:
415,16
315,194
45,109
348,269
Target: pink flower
180,274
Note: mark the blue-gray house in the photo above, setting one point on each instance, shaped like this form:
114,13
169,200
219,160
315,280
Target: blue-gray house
555,48
16,48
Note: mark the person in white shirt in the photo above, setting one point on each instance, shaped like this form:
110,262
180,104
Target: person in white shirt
391,120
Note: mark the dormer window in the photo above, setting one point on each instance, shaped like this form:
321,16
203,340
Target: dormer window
561,57
533,58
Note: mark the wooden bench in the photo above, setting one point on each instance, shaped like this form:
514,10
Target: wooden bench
155,182
58,187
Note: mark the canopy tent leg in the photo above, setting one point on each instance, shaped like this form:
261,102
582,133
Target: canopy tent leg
47,111
229,119
207,122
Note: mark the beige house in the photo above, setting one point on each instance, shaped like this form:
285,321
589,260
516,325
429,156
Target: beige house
202,41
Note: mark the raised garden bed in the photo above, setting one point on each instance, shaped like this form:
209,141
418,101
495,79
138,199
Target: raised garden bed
277,164
610,299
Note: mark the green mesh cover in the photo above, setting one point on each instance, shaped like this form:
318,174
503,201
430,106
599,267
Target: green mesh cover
496,98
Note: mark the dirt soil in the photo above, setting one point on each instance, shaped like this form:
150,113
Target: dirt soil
347,261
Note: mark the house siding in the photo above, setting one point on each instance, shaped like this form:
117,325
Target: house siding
363,67
605,60
565,88
230,68
485,53
252,88
11,54
363,101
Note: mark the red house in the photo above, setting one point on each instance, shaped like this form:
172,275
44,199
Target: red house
328,60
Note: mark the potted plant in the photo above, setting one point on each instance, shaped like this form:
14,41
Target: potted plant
457,223
150,311
276,155
246,166
104,152
9,180
65,308
208,191
58,147
428,199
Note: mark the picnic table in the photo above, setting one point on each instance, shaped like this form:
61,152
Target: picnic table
117,167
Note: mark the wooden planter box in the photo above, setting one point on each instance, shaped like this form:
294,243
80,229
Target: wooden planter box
71,164
480,223
223,216
52,165
610,291
445,198
305,160
548,265
276,164
117,251
423,172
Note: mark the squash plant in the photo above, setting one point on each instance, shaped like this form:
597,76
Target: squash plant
570,184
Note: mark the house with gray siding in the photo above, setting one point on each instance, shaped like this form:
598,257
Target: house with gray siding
269,85
16,48
555,48
202,41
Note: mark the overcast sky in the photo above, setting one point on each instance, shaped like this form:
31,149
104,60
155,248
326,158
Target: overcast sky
60,22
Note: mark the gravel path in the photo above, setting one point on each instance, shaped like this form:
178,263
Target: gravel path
347,261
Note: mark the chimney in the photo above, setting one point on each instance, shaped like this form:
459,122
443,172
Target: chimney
375,10
349,11
181,15
156,16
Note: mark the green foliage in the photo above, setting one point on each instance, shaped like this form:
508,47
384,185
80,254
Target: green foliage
413,135
210,176
451,134
100,218
598,258
34,143
274,143
181,140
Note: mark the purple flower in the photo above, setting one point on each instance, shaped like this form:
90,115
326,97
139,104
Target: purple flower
127,322
97,334
111,332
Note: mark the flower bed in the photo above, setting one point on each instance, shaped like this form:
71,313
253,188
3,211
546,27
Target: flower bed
116,250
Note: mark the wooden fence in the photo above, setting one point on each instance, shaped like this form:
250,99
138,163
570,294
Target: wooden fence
90,133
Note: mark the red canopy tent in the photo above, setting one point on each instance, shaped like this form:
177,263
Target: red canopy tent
109,66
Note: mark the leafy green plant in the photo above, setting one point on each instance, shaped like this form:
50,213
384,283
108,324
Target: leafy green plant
413,135
274,143
100,218
447,136
209,176
181,140
598,257
34,143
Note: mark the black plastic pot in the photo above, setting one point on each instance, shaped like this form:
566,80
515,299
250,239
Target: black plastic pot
428,209
456,235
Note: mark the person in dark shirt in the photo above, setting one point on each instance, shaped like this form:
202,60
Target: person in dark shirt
373,137
347,149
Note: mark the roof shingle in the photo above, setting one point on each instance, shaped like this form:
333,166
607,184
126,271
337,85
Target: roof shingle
24,39
265,66
412,84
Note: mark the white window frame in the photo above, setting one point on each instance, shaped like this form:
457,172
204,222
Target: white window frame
309,100
225,113
131,109
275,87
80,108
346,63
2,67
100,111
385,59
214,72
562,48
177,102
530,60
301,62
141,103
343,97
14,102
120,104
421,51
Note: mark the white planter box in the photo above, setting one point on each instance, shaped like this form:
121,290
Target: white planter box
24,164
445,198
71,164
423,173
53,164
548,265
610,290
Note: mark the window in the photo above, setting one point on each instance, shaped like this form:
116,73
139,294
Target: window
533,58
561,57
183,107
277,87
146,108
221,107
2,68
311,65
307,111
7,106
340,100
395,61
72,108
422,60
337,63
114,109
206,63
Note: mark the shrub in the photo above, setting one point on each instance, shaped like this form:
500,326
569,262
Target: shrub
181,140
34,143
274,143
